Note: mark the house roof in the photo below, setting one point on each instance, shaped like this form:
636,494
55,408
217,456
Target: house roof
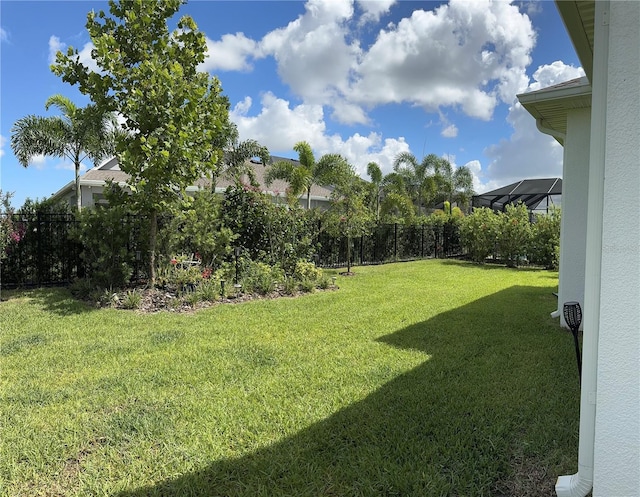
579,19
109,170
549,106
530,192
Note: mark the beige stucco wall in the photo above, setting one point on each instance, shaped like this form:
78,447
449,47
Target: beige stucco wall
617,433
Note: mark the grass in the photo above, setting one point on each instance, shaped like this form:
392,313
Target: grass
424,378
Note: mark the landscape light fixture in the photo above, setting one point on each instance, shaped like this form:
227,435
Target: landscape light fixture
573,318
222,288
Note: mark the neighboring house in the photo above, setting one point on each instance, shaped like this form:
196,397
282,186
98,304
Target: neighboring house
537,194
92,184
597,120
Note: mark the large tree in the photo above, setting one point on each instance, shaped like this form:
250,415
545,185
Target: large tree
330,169
175,117
77,134
375,173
452,185
417,176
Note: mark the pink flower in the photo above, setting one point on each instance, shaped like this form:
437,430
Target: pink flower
174,261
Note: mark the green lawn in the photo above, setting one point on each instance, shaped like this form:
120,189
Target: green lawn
426,378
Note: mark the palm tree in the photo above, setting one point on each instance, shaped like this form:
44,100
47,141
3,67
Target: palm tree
78,134
453,185
234,161
417,176
375,173
328,170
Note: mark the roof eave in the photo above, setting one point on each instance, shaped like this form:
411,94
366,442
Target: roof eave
578,18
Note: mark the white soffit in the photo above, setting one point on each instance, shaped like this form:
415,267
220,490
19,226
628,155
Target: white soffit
550,105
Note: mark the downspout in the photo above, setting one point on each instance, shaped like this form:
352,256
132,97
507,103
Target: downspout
580,483
558,135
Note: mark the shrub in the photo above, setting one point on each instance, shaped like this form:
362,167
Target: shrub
307,271
132,299
545,239
514,234
261,278
198,229
108,248
478,232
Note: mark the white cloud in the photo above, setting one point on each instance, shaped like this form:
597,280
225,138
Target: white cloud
468,55
56,45
528,153
231,53
70,166
4,35
3,140
306,123
374,9
450,131
312,53
38,161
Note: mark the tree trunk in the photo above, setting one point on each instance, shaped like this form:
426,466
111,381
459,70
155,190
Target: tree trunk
309,198
153,234
348,255
78,192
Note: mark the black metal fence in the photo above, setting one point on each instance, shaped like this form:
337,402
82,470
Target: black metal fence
391,243
41,250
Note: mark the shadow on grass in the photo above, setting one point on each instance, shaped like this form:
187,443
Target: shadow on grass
57,300
491,401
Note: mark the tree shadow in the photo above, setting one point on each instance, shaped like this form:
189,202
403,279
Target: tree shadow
488,394
57,300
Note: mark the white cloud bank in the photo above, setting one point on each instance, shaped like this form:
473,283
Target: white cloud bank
486,46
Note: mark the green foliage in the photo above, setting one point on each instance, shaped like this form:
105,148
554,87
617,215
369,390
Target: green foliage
513,234
330,169
348,215
175,116
270,233
261,278
132,299
397,208
198,229
478,232
7,232
78,134
109,250
545,239
307,271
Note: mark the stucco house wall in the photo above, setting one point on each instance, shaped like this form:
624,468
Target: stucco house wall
617,433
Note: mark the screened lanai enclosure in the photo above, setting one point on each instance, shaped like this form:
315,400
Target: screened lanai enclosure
537,194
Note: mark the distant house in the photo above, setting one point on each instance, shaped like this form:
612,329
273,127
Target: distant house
537,194
92,185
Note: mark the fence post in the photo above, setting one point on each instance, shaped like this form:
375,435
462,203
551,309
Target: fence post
395,241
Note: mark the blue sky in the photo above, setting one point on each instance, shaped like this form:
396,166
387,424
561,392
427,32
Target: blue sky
367,79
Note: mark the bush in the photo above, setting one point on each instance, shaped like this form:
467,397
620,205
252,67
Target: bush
544,249
198,229
514,234
478,232
307,271
261,278
109,252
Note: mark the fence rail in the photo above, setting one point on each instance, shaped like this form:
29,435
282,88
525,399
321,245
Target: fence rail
41,250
